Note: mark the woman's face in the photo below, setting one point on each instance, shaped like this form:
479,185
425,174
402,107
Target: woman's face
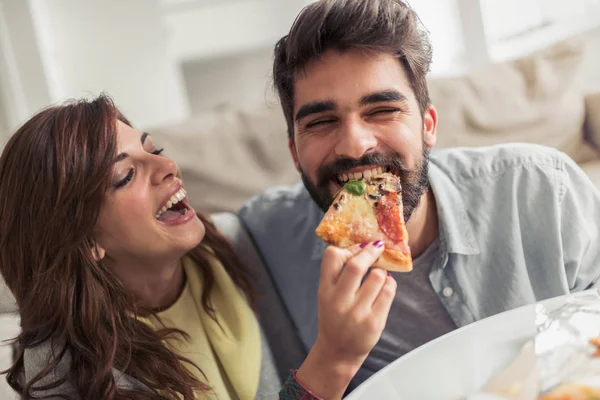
134,228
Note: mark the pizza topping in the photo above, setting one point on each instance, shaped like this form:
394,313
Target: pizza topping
357,188
596,342
385,183
366,210
389,218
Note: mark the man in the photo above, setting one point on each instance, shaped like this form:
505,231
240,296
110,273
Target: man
490,229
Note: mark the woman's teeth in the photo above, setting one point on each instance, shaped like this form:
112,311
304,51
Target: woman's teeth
176,198
354,176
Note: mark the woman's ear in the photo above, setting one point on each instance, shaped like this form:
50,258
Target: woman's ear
98,252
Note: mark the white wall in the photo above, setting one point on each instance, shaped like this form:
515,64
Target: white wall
24,86
244,80
218,28
112,45
442,20
4,130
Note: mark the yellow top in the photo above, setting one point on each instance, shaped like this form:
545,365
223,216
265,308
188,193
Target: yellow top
227,352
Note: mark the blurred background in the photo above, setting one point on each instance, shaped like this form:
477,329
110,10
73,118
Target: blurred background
166,60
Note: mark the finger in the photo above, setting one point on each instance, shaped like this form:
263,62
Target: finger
370,289
332,263
334,260
356,268
383,302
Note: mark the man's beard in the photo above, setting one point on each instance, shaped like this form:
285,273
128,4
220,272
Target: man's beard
414,182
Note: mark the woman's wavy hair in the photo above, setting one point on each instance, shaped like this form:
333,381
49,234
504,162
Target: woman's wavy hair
54,173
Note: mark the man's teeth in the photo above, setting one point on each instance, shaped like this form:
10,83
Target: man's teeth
176,198
354,176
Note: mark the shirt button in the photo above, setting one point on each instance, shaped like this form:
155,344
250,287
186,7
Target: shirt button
447,292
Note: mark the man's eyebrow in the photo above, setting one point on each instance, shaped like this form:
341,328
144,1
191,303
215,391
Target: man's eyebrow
314,108
382,97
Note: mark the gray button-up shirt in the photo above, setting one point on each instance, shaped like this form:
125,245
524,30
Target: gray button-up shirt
518,224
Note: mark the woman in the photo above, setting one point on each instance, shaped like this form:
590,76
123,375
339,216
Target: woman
124,292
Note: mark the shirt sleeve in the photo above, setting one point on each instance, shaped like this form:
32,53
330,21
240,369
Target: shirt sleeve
579,207
294,390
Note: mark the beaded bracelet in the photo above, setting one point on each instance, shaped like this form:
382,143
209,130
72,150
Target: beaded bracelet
294,390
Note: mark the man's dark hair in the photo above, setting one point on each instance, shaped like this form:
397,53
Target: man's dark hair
386,26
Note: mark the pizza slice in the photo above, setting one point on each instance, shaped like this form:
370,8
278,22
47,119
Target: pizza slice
572,391
368,210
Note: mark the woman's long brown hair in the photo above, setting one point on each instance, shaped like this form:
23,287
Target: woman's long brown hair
54,173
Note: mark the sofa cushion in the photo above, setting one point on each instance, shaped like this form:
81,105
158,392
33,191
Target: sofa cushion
592,170
9,329
537,99
227,156
592,119
7,300
281,333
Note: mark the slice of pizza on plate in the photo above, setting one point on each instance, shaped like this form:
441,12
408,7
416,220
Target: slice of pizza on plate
368,210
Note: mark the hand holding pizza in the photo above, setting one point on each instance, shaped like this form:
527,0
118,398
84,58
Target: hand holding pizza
351,317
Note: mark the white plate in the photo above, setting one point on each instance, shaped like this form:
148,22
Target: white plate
458,363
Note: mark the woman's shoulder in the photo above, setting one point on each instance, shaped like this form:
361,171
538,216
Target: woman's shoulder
53,354
48,354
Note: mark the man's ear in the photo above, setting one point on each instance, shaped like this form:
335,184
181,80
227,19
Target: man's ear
430,120
98,252
294,153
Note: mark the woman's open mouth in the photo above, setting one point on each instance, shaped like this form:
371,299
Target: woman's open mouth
176,207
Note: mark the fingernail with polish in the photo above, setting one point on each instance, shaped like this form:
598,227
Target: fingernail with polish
363,245
378,243
389,274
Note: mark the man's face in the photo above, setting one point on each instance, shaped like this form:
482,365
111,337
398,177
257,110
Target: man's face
355,113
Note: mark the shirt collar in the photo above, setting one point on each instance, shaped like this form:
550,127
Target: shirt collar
319,245
456,232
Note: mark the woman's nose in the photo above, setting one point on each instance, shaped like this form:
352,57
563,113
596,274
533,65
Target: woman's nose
164,169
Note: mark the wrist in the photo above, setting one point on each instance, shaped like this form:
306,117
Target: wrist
327,374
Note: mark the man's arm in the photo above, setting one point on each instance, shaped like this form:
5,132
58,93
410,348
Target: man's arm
579,205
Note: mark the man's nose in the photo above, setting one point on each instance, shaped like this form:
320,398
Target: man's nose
354,140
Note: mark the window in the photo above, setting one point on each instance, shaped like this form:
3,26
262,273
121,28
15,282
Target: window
516,27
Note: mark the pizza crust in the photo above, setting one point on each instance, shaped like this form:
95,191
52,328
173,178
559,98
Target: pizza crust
395,261
390,260
572,391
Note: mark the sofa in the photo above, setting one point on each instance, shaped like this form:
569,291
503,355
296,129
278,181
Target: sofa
228,155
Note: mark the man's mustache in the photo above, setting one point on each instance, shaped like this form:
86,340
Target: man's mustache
332,170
